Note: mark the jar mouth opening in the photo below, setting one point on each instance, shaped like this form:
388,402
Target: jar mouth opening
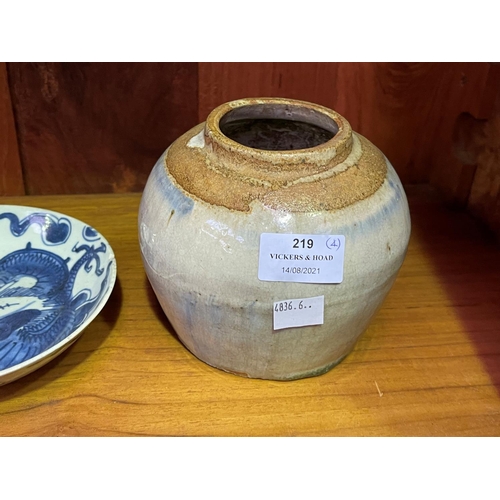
277,126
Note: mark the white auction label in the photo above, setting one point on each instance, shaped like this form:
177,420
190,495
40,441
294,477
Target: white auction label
298,312
303,258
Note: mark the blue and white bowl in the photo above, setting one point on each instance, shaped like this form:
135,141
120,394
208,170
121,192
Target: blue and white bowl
56,274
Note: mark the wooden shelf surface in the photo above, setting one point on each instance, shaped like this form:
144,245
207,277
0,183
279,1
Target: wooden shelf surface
429,364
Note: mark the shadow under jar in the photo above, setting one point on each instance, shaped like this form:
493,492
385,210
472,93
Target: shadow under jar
292,170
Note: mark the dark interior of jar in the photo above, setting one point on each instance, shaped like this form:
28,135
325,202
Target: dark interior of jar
278,127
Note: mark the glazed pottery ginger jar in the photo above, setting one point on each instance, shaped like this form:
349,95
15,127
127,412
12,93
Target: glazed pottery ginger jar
271,234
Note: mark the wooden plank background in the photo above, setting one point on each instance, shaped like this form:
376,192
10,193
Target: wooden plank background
480,147
99,127
408,110
11,177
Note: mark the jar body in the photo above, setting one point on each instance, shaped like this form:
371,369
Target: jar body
202,261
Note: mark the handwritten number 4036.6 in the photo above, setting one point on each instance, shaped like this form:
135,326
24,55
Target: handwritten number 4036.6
302,243
288,306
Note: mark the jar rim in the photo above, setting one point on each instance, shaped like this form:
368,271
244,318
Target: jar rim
288,109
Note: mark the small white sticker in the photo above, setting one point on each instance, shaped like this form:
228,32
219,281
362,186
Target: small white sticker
302,258
298,312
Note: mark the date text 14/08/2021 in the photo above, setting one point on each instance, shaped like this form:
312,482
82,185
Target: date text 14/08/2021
301,270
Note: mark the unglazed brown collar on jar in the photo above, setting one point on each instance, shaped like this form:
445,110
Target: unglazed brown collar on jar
221,171
277,167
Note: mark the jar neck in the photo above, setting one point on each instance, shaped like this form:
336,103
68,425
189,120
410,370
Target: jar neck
282,166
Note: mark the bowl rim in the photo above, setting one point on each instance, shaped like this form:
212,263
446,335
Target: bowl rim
67,341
